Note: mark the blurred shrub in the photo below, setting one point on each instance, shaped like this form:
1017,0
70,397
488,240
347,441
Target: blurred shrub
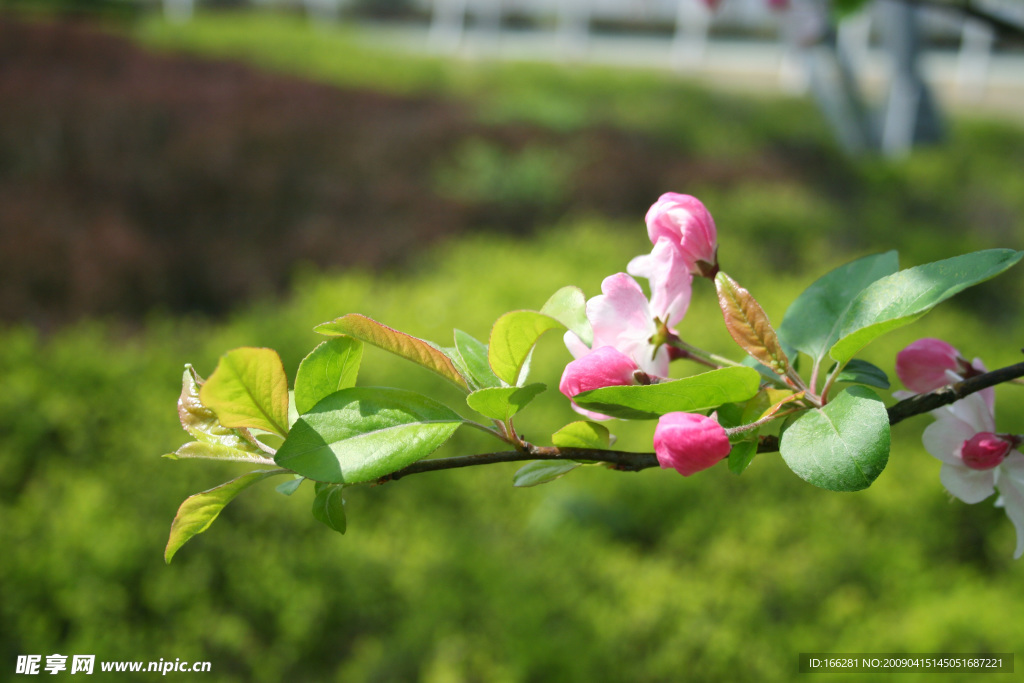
456,575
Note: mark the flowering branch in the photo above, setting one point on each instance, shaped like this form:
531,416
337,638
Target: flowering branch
337,434
626,461
923,403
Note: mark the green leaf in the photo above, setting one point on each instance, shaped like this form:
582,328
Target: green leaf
364,433
329,506
542,471
197,513
411,348
474,356
214,451
501,403
843,446
512,340
290,487
330,367
767,402
748,324
689,395
903,297
249,389
569,307
742,454
860,371
582,434
811,323
202,423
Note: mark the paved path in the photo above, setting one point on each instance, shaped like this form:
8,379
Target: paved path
760,66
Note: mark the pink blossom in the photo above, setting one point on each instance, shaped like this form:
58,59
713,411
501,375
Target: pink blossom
689,443
689,227
922,365
975,460
622,318
984,450
602,367
929,364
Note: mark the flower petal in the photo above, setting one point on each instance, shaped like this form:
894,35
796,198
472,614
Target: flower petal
970,486
575,345
671,283
620,314
1012,497
944,437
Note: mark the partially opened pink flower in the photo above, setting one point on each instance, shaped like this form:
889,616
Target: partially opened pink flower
689,227
922,365
622,318
929,364
975,460
689,443
603,367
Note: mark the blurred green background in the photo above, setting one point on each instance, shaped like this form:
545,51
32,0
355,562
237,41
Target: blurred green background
456,576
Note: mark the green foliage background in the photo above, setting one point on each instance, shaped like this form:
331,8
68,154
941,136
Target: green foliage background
457,576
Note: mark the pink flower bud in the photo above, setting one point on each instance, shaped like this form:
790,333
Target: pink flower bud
984,450
687,224
922,365
689,442
603,367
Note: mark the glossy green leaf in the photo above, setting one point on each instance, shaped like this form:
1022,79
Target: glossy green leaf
249,389
198,512
411,348
291,486
474,356
811,323
700,392
202,423
582,434
843,446
542,471
859,371
501,403
364,433
569,307
903,297
214,451
748,324
330,367
512,340
329,506
742,454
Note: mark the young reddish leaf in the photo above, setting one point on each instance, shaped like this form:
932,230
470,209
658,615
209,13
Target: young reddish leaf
748,324
401,344
249,389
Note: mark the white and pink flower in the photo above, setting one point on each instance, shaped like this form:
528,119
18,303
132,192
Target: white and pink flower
977,461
